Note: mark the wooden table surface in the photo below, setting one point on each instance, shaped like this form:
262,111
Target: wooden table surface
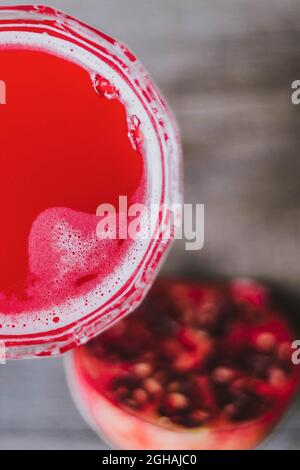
226,67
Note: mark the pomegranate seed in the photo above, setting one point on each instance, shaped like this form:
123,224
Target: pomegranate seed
188,315
207,315
249,291
148,356
277,377
152,386
164,421
191,338
186,362
140,396
177,401
174,386
199,416
265,342
142,369
240,384
206,392
172,348
159,376
244,405
121,393
230,410
284,351
130,403
223,374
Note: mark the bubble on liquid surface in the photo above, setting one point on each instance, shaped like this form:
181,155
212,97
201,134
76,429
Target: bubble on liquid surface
103,87
135,134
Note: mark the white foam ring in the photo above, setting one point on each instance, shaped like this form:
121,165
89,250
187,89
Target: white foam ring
75,308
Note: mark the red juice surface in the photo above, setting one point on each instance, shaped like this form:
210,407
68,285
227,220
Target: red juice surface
64,150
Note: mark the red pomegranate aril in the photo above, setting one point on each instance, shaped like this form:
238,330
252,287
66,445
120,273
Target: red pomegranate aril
140,396
186,362
277,377
204,346
250,292
265,342
148,357
230,410
152,386
130,403
164,421
172,348
160,376
191,338
235,412
142,369
214,377
241,383
121,393
188,315
176,401
284,352
199,417
244,406
206,393
207,315
174,386
223,374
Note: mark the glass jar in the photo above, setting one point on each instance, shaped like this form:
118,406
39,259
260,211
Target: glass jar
46,29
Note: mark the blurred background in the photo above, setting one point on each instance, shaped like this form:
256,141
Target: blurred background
226,68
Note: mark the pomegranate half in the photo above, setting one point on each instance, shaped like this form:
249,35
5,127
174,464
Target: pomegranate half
197,366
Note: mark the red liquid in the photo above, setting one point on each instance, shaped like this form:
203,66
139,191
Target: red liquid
61,146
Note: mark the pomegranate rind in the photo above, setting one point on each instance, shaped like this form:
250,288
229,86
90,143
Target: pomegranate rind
127,429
